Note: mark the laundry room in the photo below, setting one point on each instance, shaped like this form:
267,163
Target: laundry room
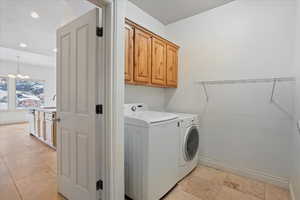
226,70
149,100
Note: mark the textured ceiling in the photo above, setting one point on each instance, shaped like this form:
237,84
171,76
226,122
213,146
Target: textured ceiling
16,24
169,11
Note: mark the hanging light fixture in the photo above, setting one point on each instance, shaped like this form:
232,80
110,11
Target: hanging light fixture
18,75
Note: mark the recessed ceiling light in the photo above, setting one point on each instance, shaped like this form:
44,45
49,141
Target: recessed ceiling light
23,45
55,50
34,15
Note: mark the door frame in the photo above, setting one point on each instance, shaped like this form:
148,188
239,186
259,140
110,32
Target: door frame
113,13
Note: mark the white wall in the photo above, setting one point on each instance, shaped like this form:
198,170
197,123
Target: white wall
241,129
295,172
35,72
142,18
154,97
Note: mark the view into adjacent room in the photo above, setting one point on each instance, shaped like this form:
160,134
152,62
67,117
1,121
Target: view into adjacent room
210,91
28,130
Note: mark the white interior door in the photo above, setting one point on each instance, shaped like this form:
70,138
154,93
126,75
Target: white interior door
77,94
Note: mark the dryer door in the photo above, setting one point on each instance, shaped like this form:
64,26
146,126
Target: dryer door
191,143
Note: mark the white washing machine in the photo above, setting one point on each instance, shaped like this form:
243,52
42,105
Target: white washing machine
189,143
151,152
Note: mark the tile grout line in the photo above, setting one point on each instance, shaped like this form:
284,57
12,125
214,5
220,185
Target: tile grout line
13,180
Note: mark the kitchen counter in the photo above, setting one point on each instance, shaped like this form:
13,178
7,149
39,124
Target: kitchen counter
43,109
42,124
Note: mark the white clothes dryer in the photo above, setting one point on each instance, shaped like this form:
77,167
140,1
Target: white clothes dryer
188,143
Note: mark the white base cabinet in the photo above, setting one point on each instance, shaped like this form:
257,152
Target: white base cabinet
42,126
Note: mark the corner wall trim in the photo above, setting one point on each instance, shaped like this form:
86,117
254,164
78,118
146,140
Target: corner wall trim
250,173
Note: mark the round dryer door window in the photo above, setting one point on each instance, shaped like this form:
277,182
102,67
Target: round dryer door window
191,144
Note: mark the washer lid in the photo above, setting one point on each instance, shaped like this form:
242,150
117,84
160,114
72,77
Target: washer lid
149,117
185,116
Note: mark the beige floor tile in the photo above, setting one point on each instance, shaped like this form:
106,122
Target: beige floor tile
41,185
37,146
276,193
27,160
9,192
41,175
200,188
5,177
52,165
177,194
21,173
249,186
50,155
40,190
231,194
9,134
28,164
209,174
7,148
36,150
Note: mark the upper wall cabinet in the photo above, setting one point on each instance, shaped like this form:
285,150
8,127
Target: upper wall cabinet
142,57
149,59
129,32
159,62
172,66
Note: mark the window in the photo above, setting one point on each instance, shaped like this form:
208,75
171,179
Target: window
3,94
29,93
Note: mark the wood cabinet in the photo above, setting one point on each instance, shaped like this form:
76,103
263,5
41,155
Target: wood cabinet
159,62
172,66
149,59
142,57
129,31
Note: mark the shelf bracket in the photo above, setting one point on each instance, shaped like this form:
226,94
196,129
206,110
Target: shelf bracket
273,90
205,91
272,100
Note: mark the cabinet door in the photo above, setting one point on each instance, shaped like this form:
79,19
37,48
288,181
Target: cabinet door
172,66
37,124
128,53
142,58
48,130
159,50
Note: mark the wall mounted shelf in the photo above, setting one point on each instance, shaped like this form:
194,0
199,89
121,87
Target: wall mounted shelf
243,81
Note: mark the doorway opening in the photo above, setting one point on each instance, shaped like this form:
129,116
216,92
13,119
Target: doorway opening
28,121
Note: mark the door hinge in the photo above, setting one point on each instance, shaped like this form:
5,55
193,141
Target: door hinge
99,185
99,31
99,109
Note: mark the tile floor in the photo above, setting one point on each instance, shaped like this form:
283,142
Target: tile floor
210,184
28,172
27,167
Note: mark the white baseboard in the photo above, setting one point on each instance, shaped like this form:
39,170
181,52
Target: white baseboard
250,173
292,191
12,122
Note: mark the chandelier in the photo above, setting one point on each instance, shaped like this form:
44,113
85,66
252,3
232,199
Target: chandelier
18,74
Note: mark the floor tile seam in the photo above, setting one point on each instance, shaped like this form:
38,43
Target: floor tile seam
14,181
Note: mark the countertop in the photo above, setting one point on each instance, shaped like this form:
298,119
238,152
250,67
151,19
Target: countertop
43,109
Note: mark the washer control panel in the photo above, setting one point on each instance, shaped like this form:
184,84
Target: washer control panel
135,107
